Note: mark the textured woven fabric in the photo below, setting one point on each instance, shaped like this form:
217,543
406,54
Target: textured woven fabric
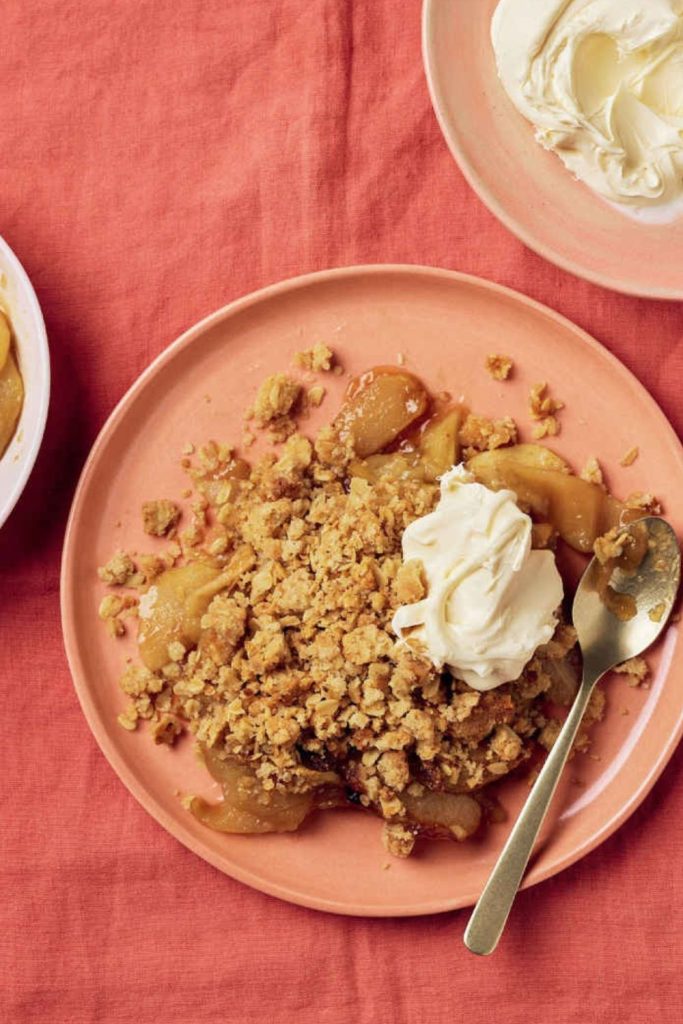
159,158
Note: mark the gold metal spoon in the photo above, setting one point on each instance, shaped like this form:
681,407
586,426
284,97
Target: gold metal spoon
606,638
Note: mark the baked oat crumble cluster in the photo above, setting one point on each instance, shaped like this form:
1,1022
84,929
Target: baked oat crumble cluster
499,366
318,359
286,663
544,410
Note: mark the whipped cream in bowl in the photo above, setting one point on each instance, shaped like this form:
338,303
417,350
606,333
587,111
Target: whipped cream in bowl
491,600
601,81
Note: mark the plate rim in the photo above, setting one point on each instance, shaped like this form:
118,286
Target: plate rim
488,197
109,749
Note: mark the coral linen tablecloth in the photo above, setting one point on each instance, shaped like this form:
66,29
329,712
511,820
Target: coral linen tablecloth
159,158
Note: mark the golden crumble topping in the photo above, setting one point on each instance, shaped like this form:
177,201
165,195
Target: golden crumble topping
118,571
612,545
275,405
636,669
479,434
398,840
499,366
282,662
316,395
159,517
644,503
630,456
318,359
592,472
543,409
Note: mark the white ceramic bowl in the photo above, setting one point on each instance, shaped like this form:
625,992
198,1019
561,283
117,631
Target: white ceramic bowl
19,299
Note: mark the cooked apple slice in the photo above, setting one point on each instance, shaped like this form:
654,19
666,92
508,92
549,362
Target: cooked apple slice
535,456
11,400
5,339
247,808
173,606
393,466
438,447
381,405
579,511
443,815
164,615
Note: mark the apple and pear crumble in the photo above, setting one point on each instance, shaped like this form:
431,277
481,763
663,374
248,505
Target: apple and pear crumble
266,625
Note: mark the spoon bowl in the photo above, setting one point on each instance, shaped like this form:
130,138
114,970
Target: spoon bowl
651,585
622,604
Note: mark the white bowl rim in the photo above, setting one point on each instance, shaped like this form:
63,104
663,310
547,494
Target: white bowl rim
36,428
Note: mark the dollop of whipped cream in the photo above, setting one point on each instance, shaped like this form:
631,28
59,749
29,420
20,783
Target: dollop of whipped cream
491,600
602,82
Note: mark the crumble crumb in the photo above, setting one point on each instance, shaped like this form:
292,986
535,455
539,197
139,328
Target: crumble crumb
499,366
166,729
506,744
151,566
479,434
187,449
542,409
643,502
118,571
128,719
397,839
159,517
276,397
410,582
592,472
630,457
548,427
636,669
400,358
318,359
549,733
275,405
316,395
612,544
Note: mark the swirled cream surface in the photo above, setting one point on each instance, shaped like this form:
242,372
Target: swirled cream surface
491,600
602,83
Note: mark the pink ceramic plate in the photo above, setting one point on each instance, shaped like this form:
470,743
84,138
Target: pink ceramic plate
527,188
445,324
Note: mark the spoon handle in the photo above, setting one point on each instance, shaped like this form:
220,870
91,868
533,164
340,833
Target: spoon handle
491,912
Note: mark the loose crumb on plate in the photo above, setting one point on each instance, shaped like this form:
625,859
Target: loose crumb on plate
316,395
275,405
159,517
118,571
643,502
319,359
499,366
636,669
543,409
592,472
630,456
